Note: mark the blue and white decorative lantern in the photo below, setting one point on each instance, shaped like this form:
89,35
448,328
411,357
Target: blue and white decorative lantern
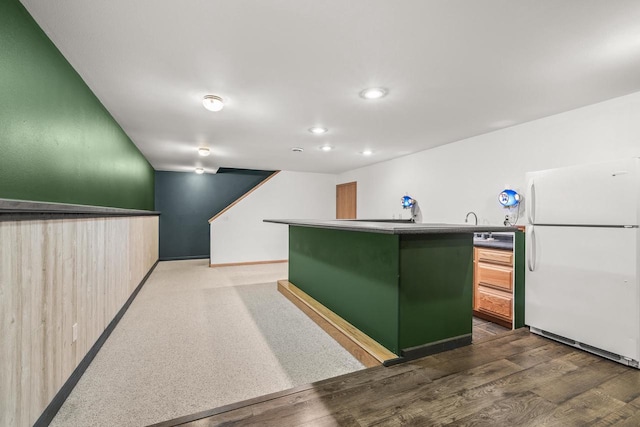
408,202
509,198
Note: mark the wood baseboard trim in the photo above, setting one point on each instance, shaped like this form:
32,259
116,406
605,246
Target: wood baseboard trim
369,352
235,264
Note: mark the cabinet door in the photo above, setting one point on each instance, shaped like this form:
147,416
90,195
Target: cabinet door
495,256
497,276
494,302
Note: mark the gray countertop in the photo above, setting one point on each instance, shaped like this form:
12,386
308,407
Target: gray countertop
19,209
403,227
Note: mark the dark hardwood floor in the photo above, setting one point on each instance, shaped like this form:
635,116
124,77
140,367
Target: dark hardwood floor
484,329
509,379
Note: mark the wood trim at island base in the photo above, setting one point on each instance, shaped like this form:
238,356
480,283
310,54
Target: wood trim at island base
242,197
369,352
236,264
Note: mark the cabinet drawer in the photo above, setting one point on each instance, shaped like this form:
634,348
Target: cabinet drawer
493,302
495,256
495,275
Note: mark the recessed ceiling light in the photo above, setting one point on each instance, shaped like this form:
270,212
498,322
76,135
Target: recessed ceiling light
204,151
373,93
213,103
199,171
326,148
297,150
367,152
317,130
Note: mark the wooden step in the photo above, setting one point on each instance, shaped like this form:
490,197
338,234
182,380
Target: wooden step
364,348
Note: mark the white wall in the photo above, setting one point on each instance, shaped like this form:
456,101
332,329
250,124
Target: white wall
467,175
239,235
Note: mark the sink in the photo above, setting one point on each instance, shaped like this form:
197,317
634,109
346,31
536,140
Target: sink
495,240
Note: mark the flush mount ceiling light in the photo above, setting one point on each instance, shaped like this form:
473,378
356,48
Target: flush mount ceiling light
199,171
213,103
367,152
317,130
326,148
204,151
297,150
373,93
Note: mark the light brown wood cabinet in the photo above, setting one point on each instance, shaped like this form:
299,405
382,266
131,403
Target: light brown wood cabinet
493,285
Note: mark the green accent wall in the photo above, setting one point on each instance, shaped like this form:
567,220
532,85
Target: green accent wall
58,143
352,273
403,291
436,287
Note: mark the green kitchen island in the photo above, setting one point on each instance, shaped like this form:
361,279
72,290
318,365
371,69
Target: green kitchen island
407,286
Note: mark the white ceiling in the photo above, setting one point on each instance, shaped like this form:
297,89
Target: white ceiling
453,68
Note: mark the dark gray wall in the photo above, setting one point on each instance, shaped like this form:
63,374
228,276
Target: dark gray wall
187,201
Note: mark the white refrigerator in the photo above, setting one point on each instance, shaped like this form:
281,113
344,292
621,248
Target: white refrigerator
582,280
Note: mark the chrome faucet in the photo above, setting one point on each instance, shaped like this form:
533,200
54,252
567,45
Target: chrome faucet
466,219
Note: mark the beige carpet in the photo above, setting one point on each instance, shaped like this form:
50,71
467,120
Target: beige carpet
197,338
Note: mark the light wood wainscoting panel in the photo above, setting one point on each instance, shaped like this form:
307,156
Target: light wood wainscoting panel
54,274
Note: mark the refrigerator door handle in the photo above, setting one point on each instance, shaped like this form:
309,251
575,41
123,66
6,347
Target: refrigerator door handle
531,202
531,249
